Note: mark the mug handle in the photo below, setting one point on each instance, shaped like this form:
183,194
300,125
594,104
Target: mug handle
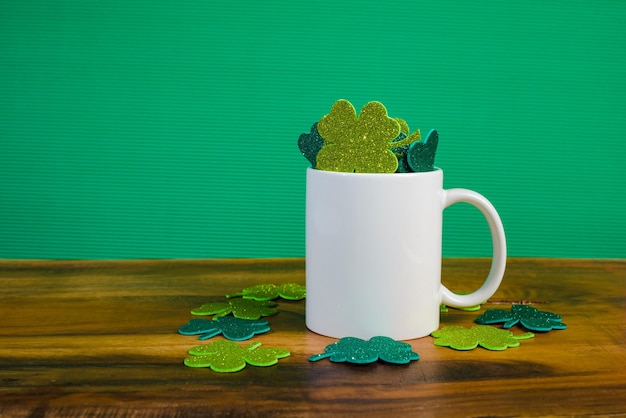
498,261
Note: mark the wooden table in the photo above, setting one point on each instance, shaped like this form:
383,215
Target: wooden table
100,339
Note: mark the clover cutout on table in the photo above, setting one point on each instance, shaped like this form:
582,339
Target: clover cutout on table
262,292
240,308
230,327
530,318
491,338
228,356
356,350
362,143
444,308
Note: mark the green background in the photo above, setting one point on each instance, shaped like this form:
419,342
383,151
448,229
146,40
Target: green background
168,129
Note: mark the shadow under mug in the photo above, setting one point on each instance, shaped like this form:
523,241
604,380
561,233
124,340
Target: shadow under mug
373,253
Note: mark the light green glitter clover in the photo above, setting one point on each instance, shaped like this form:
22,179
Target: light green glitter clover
444,308
240,308
228,356
289,291
360,143
491,338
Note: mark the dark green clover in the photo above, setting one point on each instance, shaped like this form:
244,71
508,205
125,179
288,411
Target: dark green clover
232,328
310,145
421,154
356,350
530,318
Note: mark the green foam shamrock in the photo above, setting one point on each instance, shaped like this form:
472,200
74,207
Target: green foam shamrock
289,291
421,155
359,143
232,328
444,308
356,350
529,317
401,152
240,308
310,145
461,338
227,356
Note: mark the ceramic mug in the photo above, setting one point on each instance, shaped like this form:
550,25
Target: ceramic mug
373,253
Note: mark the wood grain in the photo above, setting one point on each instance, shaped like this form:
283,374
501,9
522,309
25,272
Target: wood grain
99,338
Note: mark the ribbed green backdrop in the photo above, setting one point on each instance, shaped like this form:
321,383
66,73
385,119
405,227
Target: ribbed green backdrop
168,129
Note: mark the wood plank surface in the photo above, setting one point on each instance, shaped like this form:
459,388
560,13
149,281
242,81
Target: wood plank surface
99,338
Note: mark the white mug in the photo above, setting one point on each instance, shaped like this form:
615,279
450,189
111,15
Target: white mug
373,253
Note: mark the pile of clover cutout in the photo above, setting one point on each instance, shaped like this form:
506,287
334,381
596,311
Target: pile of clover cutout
238,319
492,338
355,350
370,142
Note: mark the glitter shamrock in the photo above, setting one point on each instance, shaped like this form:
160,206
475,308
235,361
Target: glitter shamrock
444,308
359,143
289,291
356,350
310,145
404,127
401,152
529,317
227,356
232,328
240,308
461,338
421,155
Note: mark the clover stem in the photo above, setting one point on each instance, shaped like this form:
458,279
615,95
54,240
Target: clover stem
319,356
252,346
415,136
